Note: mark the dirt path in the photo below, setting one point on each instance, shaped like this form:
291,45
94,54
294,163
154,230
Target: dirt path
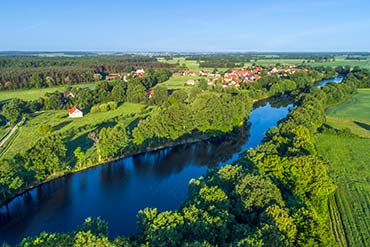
10,133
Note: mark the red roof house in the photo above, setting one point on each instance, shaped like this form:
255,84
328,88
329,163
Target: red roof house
75,112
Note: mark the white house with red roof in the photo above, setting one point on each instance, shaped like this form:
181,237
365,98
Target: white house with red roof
75,112
140,72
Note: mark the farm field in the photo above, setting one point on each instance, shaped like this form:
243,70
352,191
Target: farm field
190,64
339,61
354,114
350,168
178,82
36,93
75,130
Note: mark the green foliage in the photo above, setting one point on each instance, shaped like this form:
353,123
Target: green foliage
95,226
113,141
135,91
15,109
104,107
208,112
46,156
45,129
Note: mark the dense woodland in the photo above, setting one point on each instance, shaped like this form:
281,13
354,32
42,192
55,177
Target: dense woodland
38,72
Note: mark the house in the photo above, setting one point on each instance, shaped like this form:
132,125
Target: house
140,72
190,82
75,112
192,73
203,73
211,83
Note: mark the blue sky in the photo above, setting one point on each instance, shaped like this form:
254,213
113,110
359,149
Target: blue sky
209,25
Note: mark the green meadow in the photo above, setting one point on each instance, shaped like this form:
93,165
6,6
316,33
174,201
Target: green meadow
36,93
354,114
178,82
190,64
75,131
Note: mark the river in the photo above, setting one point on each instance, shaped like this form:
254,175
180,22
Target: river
117,191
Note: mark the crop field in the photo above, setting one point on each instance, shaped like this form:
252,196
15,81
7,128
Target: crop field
354,114
36,93
178,82
348,157
74,130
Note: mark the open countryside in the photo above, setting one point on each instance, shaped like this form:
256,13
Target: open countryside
185,124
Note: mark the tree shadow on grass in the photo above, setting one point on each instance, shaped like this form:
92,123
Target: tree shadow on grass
82,141
363,125
61,125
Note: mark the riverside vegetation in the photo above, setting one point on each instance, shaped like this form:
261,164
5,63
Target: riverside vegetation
274,195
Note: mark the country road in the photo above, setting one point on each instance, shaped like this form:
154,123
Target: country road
11,132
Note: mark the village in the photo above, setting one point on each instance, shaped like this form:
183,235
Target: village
229,78
236,77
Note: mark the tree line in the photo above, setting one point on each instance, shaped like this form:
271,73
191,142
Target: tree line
33,72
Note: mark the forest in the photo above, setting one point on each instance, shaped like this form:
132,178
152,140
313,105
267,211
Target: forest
39,72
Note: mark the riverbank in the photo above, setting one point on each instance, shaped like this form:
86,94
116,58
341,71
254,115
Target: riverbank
194,138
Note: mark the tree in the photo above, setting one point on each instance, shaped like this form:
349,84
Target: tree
203,84
45,129
135,91
36,81
159,96
46,156
11,177
79,154
14,109
113,141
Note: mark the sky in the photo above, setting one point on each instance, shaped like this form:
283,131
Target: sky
185,26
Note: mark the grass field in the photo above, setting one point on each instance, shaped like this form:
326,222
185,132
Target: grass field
36,93
74,130
178,82
350,204
339,61
354,114
190,64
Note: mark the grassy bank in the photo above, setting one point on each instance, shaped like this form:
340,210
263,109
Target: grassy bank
75,131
